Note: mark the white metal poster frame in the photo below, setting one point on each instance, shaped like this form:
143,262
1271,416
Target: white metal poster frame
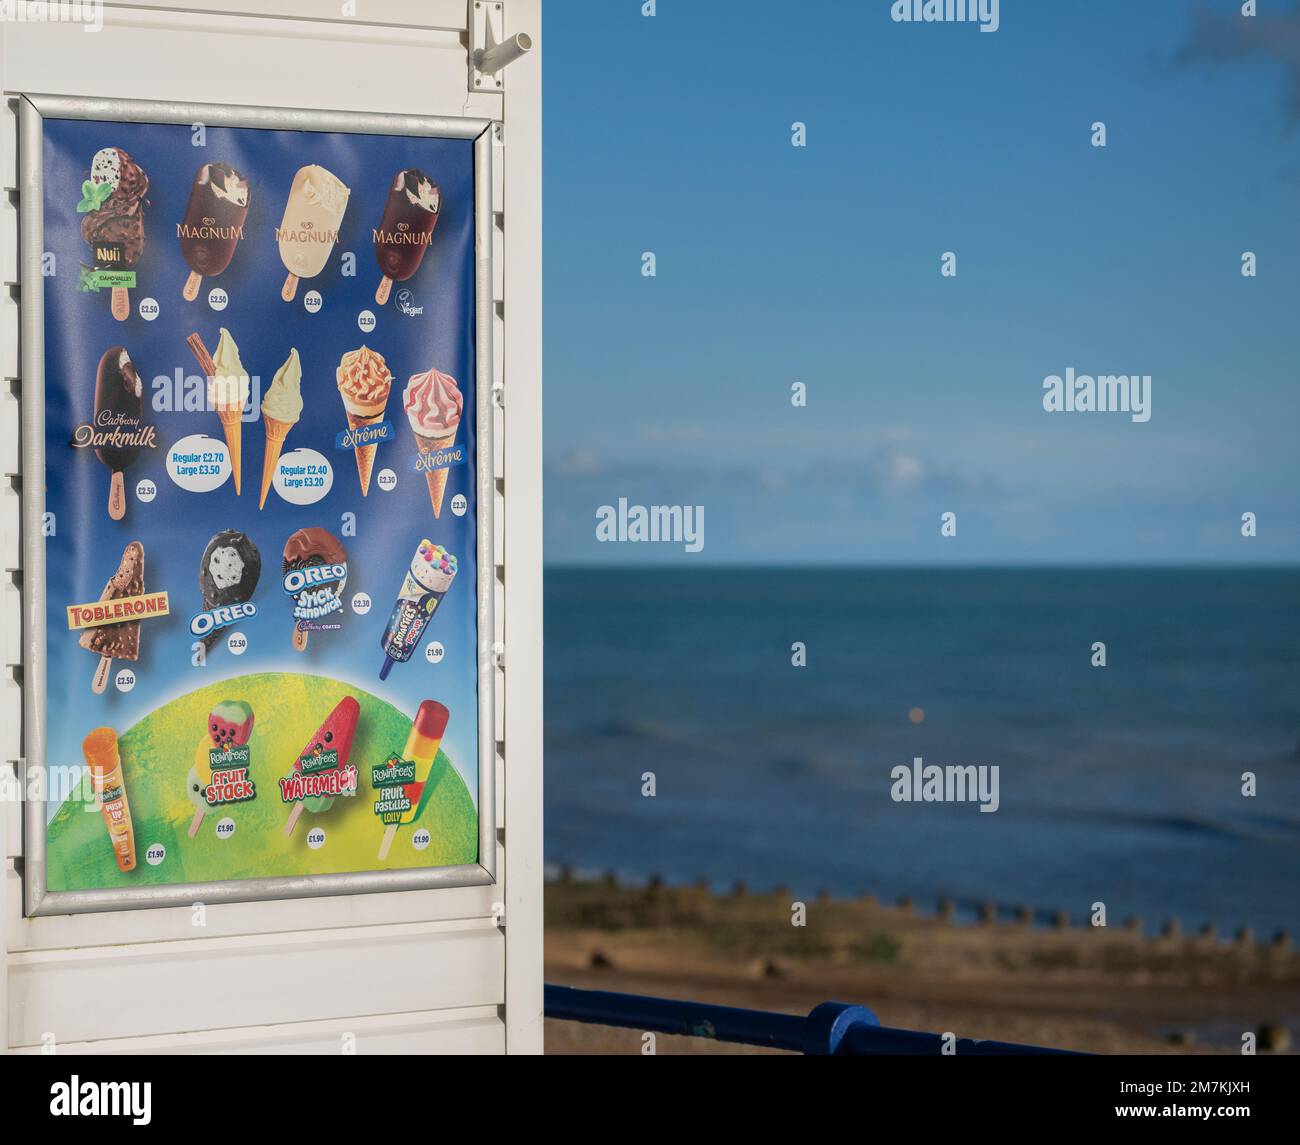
32,108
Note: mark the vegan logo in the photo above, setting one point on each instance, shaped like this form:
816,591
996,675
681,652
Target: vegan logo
406,304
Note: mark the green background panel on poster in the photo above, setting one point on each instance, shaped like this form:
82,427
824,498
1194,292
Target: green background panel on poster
158,752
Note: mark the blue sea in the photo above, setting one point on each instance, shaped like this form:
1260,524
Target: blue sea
1120,784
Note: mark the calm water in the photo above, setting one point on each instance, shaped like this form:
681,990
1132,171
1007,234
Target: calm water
1119,784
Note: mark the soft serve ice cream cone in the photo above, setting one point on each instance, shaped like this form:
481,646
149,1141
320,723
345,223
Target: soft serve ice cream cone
281,409
228,389
434,404
364,382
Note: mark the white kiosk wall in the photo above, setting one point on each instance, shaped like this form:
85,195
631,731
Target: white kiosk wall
463,965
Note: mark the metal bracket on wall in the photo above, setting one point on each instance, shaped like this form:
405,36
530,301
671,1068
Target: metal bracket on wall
490,49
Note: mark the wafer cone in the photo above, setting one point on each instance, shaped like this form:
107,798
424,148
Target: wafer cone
436,478
276,432
365,453
233,424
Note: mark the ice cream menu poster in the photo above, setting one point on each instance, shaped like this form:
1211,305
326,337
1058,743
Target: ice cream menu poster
260,516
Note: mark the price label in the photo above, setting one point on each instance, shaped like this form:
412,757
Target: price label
386,479
303,477
148,309
312,302
218,299
366,320
146,491
361,603
459,504
237,643
225,827
316,838
434,652
154,854
421,839
198,463
125,680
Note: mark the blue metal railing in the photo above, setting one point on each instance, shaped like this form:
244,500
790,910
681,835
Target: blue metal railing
831,1028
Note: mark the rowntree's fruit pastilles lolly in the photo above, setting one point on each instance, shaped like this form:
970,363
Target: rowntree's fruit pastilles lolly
105,764
428,578
419,753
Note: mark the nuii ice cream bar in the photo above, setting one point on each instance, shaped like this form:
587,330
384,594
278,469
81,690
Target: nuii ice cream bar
105,764
428,578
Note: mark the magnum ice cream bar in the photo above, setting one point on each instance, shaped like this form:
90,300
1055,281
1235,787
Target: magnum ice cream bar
113,204
406,229
118,431
213,223
310,227
104,762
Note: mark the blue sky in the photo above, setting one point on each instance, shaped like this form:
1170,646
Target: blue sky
672,134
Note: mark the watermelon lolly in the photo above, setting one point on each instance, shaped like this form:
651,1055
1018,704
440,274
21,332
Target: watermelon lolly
335,734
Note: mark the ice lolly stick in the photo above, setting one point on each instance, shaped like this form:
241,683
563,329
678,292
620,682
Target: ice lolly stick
290,287
120,307
300,639
197,821
385,287
192,284
100,682
117,496
294,816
